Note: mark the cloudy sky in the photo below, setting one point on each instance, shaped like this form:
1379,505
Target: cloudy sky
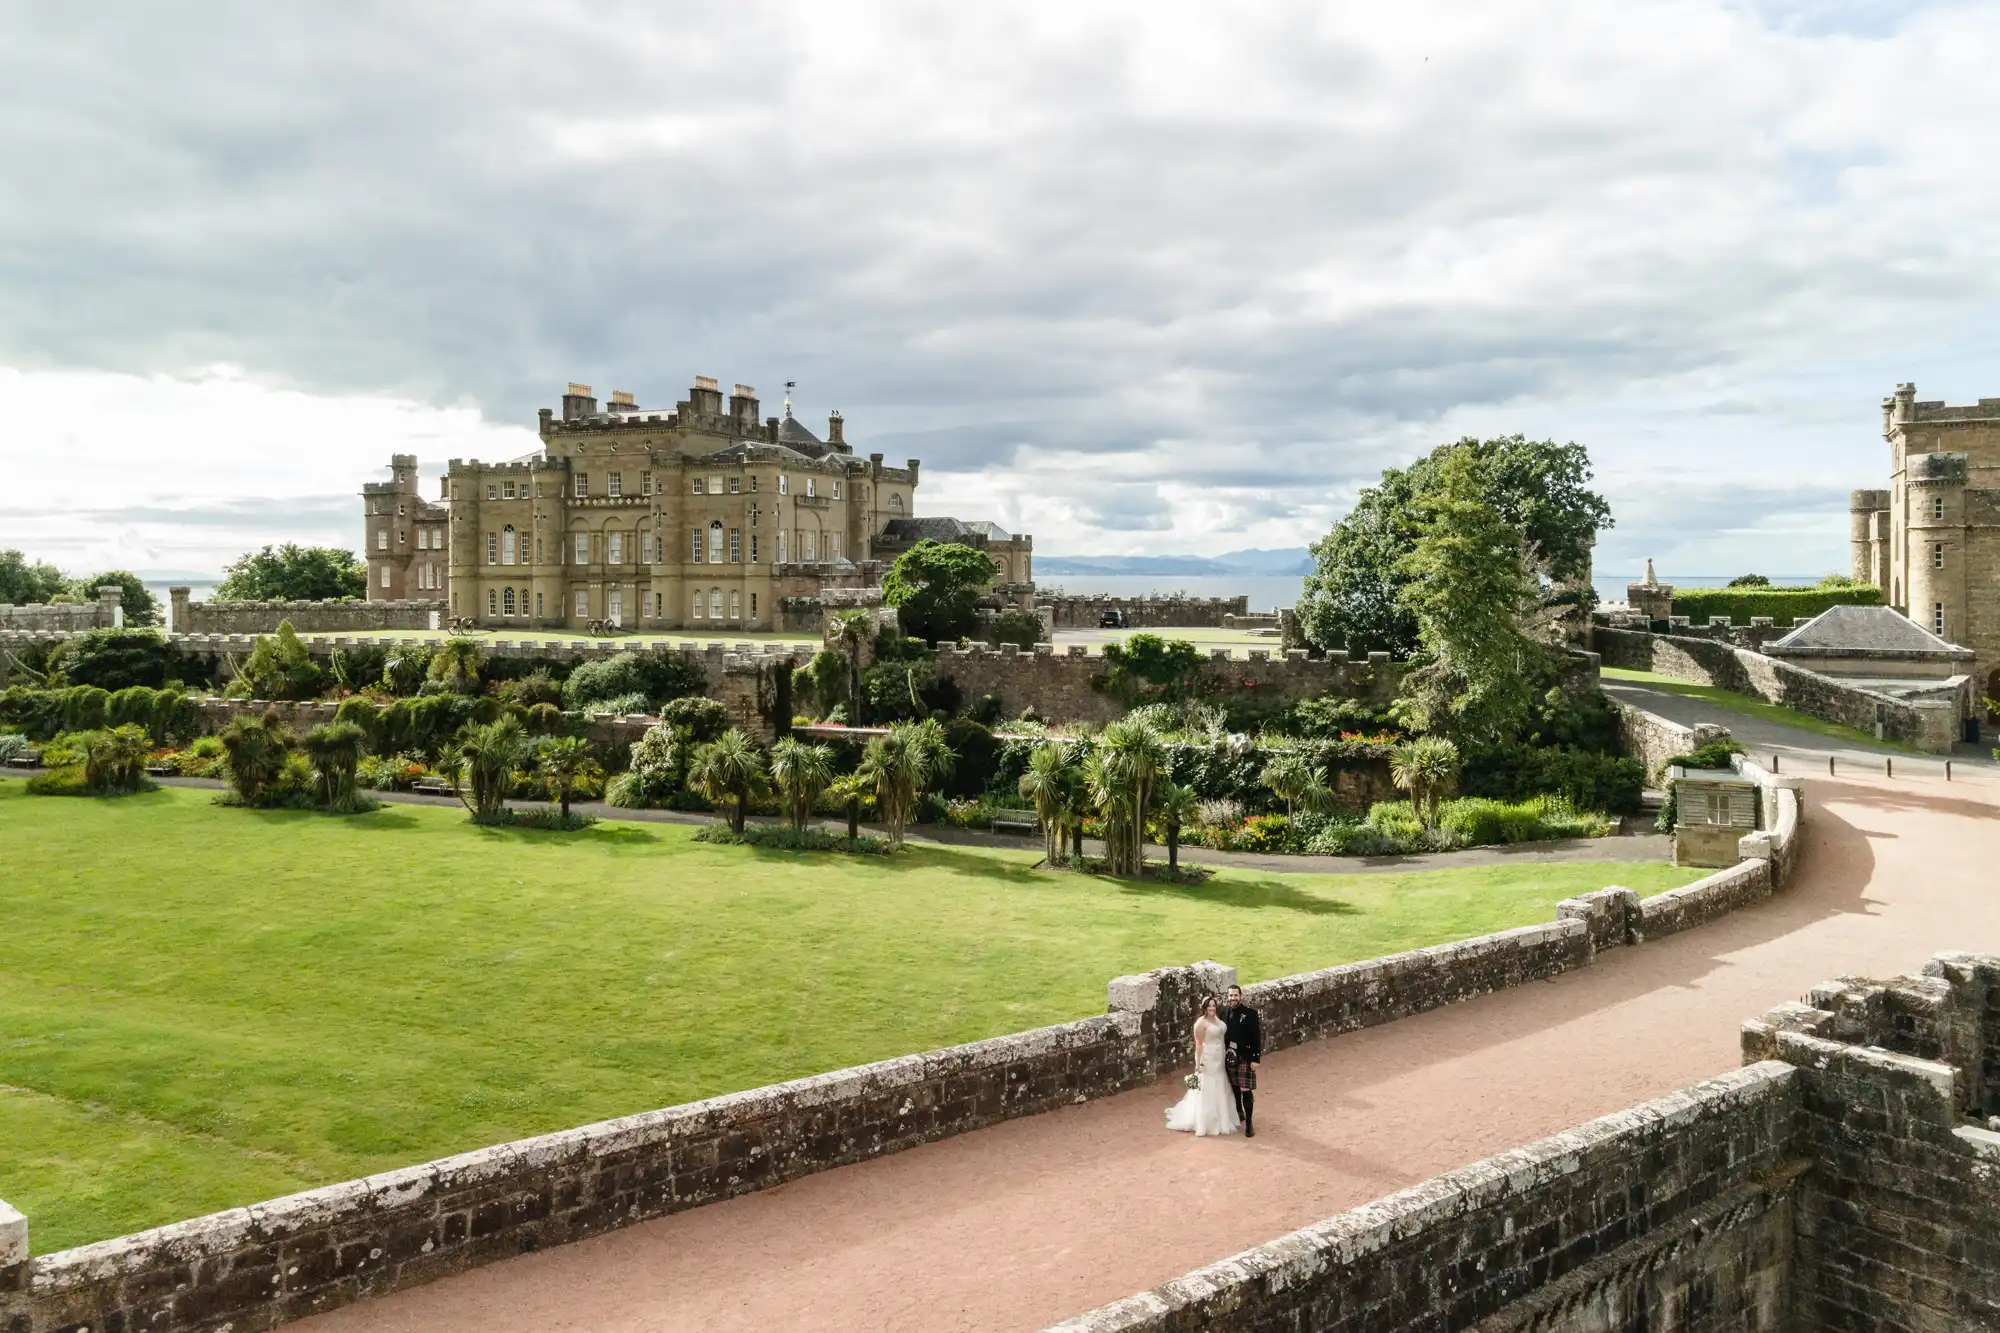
1138,278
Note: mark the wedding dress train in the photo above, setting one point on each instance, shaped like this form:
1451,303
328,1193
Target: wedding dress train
1211,1108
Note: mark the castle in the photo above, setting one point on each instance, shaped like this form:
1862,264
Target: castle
704,517
1931,542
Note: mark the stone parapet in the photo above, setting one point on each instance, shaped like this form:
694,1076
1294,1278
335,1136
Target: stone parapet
330,617
1084,612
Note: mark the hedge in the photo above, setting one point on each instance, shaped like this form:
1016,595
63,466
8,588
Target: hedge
1783,605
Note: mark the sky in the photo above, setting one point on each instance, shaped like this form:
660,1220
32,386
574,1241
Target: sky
1155,278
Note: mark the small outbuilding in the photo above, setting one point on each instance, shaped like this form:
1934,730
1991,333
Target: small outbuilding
1713,809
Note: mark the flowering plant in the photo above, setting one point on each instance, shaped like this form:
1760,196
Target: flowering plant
1192,1082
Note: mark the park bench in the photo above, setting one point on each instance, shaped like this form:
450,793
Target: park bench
25,759
431,787
1017,821
162,771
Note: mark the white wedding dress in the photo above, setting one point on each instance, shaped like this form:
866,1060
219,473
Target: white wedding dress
1211,1108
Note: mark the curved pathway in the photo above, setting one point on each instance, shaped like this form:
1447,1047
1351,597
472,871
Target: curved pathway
1024,1224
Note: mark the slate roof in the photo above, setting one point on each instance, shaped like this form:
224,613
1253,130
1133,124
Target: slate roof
914,530
792,431
1865,629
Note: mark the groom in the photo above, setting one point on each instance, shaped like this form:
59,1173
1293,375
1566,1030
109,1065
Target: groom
1244,1042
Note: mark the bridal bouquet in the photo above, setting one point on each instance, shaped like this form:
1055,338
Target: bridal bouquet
1192,1082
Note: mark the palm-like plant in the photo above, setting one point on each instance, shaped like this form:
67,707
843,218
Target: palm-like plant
254,751
1128,764
801,773
1288,776
456,662
1426,768
335,751
114,760
485,757
1050,783
848,634
729,768
900,767
560,764
1175,807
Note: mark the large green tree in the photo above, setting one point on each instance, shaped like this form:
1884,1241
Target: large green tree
21,582
1353,599
935,589
293,573
141,607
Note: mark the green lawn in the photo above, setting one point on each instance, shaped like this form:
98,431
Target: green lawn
1749,707
201,1007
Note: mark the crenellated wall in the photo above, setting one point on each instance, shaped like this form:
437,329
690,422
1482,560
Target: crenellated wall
340,617
1147,612
107,612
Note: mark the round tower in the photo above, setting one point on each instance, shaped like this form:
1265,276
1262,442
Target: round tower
1866,533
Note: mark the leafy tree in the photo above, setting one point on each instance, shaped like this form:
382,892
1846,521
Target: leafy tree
455,664
405,670
484,758
848,634
1175,808
1353,599
729,768
254,750
704,719
801,773
279,667
1297,781
335,750
561,765
1426,768
293,573
1473,597
22,583
139,604
1050,782
116,659
824,684
1749,581
1148,667
1126,765
900,767
935,589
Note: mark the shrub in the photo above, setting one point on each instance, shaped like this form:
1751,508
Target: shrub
1263,833
117,659
611,678
175,715
535,689
255,751
279,667
545,818
12,745
132,705
84,708
775,837
1738,605
705,719
985,710
38,713
976,758
389,772
544,719
1018,627
65,781
619,705
1516,772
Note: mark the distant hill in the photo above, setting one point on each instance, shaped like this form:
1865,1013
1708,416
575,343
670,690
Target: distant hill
1283,561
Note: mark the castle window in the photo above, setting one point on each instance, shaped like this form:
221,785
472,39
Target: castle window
538,550
715,543
1937,617
507,602
382,540
809,541
538,495
753,548
1937,506
833,546
645,548
753,606
492,548
582,485
736,546
583,548
506,490
696,485
715,603
784,484
507,545
810,487
753,485
715,485
492,602
616,483
895,502
1937,555
615,548
695,554
538,606
646,605
736,485
781,546
695,605
645,483
385,576
492,491
402,511
735,606
402,536
836,490
454,490
374,506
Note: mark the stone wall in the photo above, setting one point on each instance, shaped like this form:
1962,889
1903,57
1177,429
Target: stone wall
252,1267
1927,725
107,612
354,617
1146,612
1061,685
1673,1217
1653,740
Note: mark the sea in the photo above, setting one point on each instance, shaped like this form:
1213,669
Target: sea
1268,592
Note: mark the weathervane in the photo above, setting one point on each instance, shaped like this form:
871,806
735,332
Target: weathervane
789,386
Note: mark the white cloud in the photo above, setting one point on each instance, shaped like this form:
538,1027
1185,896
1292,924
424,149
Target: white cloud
1160,277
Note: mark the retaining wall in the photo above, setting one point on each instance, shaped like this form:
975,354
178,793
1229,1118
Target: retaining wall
1929,726
347,617
1653,740
1146,612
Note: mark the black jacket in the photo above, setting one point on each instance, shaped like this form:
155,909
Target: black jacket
1244,1032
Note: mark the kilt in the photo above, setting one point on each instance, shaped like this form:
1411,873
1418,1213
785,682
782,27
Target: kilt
1242,1074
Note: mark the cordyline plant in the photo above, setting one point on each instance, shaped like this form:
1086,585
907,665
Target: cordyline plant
1426,768
900,767
729,768
801,773
482,760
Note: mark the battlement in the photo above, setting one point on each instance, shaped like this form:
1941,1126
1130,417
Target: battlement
459,466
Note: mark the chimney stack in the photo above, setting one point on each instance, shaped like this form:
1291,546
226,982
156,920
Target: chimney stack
743,408
835,428
578,403
706,396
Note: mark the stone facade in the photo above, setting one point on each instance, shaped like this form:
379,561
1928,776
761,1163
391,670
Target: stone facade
701,517
107,612
192,617
1931,542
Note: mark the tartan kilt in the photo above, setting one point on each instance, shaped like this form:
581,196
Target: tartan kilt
1242,1074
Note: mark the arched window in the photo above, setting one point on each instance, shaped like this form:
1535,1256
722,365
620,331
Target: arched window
507,602
695,606
715,603
507,545
809,546
614,548
492,602
715,543
735,606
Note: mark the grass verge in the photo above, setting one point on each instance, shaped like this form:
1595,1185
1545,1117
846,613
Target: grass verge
1733,702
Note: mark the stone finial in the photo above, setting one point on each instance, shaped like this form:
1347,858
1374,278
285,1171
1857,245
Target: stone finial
1651,580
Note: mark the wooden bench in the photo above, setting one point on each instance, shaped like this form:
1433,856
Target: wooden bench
432,787
26,759
1025,822
162,771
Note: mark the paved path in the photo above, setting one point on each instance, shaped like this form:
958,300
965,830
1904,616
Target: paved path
1024,1224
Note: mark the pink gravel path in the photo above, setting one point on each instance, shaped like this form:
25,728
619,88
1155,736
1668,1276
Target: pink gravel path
1025,1224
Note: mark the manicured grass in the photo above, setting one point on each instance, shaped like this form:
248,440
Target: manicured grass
201,1007
1757,708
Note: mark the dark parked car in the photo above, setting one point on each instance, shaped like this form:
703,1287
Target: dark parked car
1111,620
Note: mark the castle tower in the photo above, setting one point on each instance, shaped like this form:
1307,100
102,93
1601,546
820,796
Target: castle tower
1868,537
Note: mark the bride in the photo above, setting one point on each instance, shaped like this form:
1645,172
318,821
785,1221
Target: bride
1209,1108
